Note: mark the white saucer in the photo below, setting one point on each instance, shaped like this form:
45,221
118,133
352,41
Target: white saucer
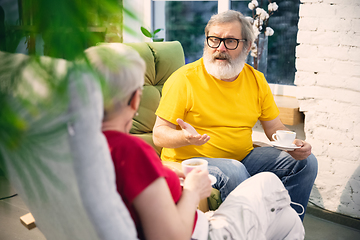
279,146
212,179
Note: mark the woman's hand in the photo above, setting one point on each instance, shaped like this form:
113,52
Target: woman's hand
179,173
198,181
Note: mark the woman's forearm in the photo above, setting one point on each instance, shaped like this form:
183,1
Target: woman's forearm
160,217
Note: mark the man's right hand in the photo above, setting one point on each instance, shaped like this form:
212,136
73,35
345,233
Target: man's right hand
191,135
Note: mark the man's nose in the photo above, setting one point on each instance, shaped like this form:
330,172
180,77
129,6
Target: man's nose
222,47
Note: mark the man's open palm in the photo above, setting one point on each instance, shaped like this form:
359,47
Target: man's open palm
191,135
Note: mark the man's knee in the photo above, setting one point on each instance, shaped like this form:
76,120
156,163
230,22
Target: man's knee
267,177
230,167
241,169
266,182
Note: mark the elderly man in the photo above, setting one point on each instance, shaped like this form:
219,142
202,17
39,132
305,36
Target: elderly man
209,107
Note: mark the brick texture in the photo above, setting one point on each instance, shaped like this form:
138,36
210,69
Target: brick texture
328,80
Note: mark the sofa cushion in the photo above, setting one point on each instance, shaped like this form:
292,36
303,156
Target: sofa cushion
146,54
169,56
162,59
144,122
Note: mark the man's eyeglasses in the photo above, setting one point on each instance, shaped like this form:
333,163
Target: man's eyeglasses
229,43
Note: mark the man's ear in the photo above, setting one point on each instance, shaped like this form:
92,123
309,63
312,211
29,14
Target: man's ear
135,101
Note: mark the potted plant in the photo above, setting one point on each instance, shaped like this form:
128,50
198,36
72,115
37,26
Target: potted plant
260,20
152,35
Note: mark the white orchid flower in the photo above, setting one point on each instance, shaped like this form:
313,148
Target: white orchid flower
253,53
269,31
258,22
272,7
253,4
256,31
259,11
253,46
250,19
264,15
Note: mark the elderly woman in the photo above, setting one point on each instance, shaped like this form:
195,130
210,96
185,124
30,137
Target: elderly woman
259,208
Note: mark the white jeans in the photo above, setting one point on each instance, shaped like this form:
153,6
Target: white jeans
259,208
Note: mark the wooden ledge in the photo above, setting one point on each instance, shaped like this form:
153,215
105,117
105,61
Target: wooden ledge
289,110
28,221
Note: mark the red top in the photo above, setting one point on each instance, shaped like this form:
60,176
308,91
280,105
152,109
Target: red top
136,166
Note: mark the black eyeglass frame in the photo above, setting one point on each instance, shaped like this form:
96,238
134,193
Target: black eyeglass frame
223,40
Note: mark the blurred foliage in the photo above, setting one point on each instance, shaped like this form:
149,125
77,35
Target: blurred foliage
34,89
67,28
33,96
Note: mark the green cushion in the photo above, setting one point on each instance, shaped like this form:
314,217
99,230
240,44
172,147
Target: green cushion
214,200
146,54
144,122
162,59
147,137
169,56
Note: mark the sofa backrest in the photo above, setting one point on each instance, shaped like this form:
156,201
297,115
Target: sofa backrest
60,164
162,59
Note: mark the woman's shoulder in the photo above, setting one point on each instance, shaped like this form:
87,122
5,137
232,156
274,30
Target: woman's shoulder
124,147
124,140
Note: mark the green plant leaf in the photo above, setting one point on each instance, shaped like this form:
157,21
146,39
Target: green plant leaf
146,32
158,40
157,30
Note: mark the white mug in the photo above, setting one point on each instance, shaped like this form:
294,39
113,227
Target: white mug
195,163
283,137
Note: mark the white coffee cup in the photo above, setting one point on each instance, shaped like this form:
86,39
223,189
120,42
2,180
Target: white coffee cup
283,137
196,163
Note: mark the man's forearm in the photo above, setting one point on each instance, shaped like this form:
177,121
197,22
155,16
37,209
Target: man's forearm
270,127
164,136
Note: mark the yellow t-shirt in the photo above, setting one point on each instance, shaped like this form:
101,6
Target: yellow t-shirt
226,111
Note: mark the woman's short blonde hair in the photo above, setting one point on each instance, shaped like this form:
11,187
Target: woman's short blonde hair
122,70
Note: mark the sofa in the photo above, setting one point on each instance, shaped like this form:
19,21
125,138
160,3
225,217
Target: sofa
162,59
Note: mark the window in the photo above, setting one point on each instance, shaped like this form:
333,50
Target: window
185,21
281,47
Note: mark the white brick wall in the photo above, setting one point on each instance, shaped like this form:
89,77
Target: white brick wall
328,80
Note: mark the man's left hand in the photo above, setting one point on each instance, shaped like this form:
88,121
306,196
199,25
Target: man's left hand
303,152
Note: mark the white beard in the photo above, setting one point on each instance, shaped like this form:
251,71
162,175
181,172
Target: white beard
223,70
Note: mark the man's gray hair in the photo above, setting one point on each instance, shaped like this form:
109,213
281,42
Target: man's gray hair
122,70
233,16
